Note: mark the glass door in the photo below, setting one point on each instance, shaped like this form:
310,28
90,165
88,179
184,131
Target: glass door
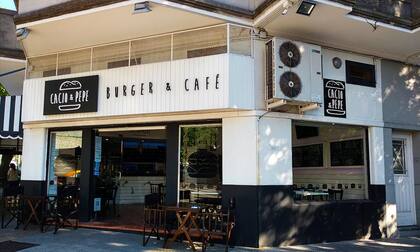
64,161
200,167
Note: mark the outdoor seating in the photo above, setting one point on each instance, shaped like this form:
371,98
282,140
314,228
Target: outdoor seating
62,210
335,194
11,207
156,195
216,225
154,223
33,209
201,222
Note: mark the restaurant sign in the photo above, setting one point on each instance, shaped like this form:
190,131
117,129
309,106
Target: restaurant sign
74,95
334,98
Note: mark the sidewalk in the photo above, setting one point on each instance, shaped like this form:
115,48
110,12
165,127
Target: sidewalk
91,240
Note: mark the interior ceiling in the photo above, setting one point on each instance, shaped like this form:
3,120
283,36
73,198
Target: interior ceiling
138,134
329,26
12,82
109,26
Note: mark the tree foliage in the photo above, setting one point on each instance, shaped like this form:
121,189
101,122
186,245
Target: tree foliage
3,91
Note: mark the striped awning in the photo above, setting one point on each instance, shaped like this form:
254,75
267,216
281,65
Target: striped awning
10,117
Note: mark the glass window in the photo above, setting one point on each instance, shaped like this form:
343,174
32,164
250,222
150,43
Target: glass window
347,153
64,160
110,56
398,159
240,40
151,50
200,43
333,157
201,164
360,74
308,156
43,66
74,62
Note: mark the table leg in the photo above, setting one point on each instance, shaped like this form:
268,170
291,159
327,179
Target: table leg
181,229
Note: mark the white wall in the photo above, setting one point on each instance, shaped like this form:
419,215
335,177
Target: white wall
34,154
376,156
239,150
363,104
234,91
275,151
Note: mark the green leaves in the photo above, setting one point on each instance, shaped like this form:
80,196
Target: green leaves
3,91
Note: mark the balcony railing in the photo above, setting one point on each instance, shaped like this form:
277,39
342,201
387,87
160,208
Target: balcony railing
403,13
219,39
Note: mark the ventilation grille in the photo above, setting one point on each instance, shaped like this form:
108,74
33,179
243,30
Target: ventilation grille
269,69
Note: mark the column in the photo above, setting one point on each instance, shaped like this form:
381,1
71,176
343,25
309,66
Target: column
34,168
172,154
240,176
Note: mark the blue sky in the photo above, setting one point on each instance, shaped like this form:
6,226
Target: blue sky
7,4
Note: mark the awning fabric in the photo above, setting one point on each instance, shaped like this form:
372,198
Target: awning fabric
10,117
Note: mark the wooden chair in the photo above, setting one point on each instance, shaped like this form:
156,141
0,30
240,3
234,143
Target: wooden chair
12,206
61,210
216,225
335,194
154,223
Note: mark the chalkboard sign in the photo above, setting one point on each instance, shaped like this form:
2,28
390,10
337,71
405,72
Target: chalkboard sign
334,98
73,95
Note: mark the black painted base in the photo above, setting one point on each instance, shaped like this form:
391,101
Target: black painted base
268,216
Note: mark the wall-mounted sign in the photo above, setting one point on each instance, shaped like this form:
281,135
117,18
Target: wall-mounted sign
75,95
334,98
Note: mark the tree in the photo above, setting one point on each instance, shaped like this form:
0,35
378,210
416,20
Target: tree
3,91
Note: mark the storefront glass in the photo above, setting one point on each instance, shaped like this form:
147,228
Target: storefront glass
329,162
200,164
126,163
64,160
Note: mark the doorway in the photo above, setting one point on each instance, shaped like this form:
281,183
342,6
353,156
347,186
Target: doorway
128,163
404,179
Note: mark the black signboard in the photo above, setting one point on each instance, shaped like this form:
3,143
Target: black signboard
334,98
74,95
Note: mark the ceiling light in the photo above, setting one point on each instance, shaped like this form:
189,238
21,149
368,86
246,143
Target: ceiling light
306,8
22,33
142,7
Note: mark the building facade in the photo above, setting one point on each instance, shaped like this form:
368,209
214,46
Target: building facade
12,74
310,128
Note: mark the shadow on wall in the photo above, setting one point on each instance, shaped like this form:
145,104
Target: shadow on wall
401,92
283,222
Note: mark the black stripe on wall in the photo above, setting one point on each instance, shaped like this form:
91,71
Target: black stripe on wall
12,112
2,106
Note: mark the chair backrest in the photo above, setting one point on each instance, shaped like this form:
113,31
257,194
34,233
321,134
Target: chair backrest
217,221
336,194
154,217
154,188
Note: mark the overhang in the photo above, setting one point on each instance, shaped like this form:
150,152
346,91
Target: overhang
111,23
332,25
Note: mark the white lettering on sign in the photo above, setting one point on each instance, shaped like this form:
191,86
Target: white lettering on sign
334,98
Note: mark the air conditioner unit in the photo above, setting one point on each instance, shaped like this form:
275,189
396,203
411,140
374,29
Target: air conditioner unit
292,69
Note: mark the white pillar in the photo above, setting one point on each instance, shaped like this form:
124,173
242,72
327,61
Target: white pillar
275,151
376,156
240,150
34,154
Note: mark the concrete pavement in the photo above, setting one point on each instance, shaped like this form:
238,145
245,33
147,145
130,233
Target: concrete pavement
91,240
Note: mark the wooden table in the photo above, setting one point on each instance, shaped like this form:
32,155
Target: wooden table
34,203
186,217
